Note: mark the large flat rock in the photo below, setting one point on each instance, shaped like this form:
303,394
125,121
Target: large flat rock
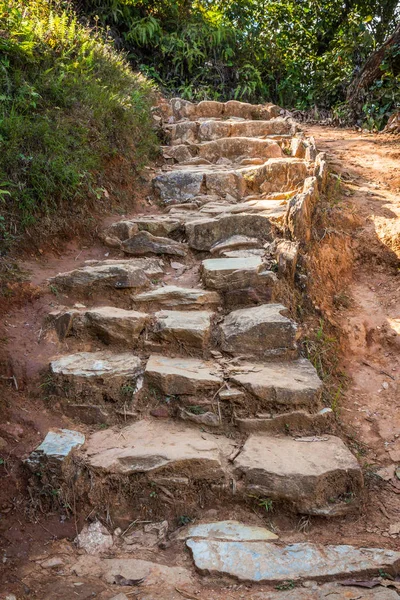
96,376
153,447
182,376
258,331
111,570
183,329
228,531
143,243
280,385
174,297
205,233
229,274
120,274
158,225
314,475
269,563
115,325
330,591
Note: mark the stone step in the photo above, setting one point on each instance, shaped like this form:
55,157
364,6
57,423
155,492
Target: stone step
183,109
205,233
96,377
316,476
183,376
117,274
243,281
278,386
109,324
234,149
298,421
186,331
267,562
144,243
183,184
192,132
260,331
174,297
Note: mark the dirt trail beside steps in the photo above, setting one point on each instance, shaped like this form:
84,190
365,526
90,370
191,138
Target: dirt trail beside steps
37,554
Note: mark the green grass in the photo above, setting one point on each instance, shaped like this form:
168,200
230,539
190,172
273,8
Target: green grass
69,106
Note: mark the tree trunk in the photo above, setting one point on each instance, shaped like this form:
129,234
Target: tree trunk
371,69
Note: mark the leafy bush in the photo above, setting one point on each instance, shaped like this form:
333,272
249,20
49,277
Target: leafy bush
69,103
296,53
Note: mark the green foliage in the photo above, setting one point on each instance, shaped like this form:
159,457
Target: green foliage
68,104
298,54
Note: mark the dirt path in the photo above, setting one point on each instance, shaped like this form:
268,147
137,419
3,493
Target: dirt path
368,172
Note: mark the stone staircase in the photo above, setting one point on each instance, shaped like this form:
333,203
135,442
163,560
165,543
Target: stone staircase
181,346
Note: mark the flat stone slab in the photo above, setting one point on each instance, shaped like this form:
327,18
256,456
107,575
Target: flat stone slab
94,376
221,273
143,243
329,591
56,446
173,297
294,421
228,531
158,225
153,574
120,274
235,242
153,447
293,384
182,376
315,475
205,233
268,563
187,329
258,331
115,325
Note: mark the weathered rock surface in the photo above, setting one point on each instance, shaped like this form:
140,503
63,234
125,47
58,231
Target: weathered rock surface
299,421
315,475
258,331
94,538
182,376
186,329
261,562
289,385
143,243
204,234
96,376
172,297
234,243
234,273
115,325
56,446
329,591
158,225
233,531
120,274
112,570
152,447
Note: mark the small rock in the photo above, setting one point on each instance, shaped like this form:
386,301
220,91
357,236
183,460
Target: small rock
177,265
385,385
208,418
3,443
94,538
394,528
53,561
161,412
386,473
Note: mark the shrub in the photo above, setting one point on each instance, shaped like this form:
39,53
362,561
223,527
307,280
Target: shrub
69,103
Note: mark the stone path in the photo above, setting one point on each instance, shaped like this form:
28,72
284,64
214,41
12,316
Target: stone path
208,372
